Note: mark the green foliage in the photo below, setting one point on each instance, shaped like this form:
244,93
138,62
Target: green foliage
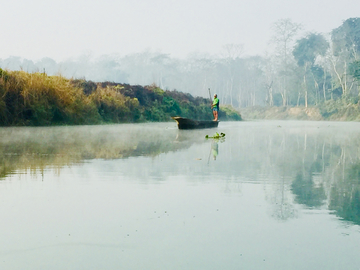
112,106
306,192
170,106
277,99
227,112
354,173
156,89
329,108
347,36
37,99
216,136
308,48
88,86
341,109
345,196
4,75
355,70
155,113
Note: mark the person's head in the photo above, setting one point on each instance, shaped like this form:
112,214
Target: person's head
215,95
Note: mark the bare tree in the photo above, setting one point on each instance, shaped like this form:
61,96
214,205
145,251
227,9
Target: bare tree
284,32
231,52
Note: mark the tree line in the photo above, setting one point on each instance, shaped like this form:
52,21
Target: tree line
297,70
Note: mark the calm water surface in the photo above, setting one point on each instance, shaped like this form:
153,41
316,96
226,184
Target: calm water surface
271,195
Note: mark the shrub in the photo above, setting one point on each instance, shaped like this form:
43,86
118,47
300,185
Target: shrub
38,99
110,104
227,112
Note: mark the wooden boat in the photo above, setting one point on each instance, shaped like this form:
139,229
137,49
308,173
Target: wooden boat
186,123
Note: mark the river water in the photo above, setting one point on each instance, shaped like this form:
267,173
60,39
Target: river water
270,195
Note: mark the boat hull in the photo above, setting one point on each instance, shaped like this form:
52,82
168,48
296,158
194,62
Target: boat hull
186,123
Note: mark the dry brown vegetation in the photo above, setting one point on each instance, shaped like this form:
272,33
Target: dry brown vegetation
38,99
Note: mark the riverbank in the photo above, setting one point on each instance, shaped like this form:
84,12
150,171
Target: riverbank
332,110
281,113
36,99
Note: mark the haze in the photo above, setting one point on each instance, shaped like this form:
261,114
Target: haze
65,29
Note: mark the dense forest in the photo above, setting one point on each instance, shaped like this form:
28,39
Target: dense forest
38,99
299,69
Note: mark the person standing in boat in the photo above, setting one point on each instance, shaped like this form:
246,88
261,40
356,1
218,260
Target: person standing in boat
215,107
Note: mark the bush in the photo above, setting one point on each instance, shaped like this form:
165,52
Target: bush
112,105
227,112
38,99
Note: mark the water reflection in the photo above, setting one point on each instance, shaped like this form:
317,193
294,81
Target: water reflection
37,148
314,165
309,164
264,198
214,149
345,195
306,192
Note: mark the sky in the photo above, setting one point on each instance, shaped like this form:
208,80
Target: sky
63,29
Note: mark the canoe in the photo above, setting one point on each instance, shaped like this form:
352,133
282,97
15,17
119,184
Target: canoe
186,123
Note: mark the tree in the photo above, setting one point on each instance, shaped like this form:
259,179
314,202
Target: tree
306,51
347,37
355,70
12,63
47,65
284,33
232,53
345,48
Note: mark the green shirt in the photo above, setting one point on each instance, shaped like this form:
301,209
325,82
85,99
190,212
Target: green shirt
216,102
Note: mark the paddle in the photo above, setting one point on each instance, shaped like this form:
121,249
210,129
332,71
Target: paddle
211,101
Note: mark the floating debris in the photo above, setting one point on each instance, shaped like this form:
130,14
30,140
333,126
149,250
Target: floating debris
216,136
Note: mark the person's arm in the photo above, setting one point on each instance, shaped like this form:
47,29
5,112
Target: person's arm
215,102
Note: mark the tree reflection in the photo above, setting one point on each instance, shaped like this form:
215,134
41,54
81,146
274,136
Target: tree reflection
214,149
320,162
345,196
308,166
306,192
284,207
35,149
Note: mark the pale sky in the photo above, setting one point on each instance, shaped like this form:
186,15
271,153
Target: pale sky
61,29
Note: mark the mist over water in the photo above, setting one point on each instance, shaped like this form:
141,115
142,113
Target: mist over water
271,195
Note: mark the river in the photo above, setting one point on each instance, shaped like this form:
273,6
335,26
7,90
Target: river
269,195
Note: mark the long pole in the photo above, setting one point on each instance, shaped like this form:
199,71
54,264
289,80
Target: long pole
211,102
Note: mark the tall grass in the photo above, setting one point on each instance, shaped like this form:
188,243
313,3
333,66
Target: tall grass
38,99
113,106
35,99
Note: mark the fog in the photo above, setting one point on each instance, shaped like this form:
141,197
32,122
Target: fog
297,68
65,29
73,195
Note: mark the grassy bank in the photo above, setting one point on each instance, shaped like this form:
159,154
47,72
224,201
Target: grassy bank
35,99
281,113
334,110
